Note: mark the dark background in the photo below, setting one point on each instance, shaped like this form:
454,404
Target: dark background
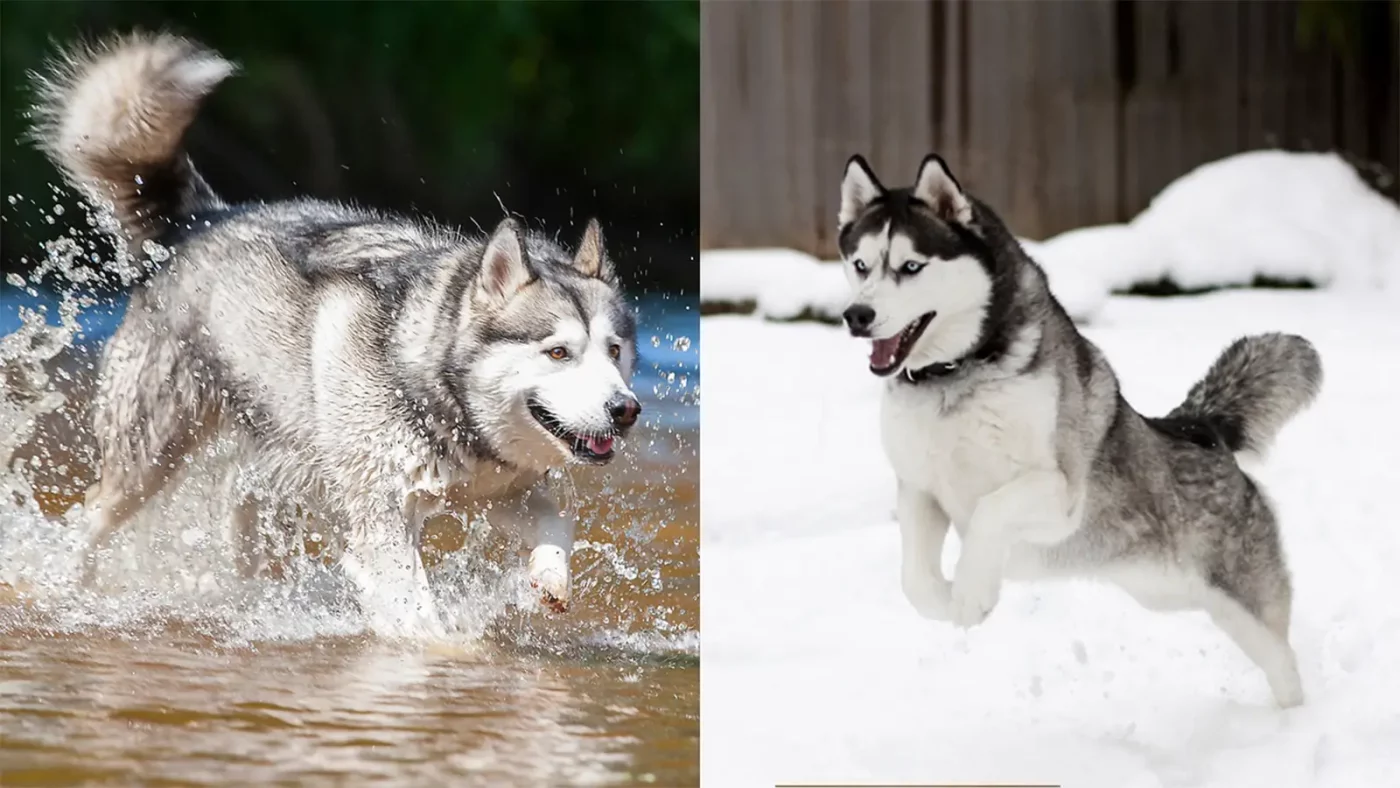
558,110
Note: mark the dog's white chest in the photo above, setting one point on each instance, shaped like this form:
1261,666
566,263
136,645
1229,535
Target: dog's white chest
960,452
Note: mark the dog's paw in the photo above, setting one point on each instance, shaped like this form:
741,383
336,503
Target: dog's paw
928,593
973,598
549,574
1288,697
1287,687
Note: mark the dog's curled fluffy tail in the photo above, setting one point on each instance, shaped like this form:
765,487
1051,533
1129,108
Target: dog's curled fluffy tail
1254,388
112,116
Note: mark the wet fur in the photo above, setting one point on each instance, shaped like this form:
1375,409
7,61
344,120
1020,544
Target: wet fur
361,361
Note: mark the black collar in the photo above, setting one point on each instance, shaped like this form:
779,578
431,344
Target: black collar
945,369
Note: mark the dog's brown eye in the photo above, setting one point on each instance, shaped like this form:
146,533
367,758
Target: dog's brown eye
558,353
615,352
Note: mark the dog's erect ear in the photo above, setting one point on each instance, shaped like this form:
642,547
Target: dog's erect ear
503,266
937,187
591,259
859,188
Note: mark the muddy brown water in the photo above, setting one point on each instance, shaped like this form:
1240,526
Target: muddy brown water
136,688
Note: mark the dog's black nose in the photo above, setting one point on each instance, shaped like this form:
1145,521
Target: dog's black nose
624,410
859,317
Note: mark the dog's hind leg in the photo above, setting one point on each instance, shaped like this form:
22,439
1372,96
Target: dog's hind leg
151,413
1262,643
245,527
1250,597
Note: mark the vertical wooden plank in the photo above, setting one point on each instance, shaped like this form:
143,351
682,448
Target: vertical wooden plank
726,147
774,156
1269,29
1209,75
713,80
1075,93
996,57
801,96
951,68
1148,139
903,85
847,111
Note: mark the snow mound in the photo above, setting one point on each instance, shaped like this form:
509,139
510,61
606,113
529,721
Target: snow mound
782,284
1276,214
1293,217
1084,266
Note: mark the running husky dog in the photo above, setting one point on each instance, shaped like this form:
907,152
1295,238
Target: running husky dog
1000,417
386,367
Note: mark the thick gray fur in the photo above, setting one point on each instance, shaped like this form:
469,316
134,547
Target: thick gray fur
362,361
1022,439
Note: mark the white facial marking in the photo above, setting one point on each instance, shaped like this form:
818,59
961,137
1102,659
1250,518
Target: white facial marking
870,251
957,290
575,389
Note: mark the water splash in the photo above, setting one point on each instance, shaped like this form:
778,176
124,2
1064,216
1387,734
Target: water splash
173,567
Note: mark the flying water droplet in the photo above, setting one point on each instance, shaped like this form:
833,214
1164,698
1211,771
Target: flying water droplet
155,251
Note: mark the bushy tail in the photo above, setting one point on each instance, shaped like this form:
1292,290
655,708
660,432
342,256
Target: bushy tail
112,117
1254,388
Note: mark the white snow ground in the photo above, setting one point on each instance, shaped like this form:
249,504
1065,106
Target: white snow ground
816,669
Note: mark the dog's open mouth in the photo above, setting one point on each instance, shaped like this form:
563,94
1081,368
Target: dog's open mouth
590,448
887,354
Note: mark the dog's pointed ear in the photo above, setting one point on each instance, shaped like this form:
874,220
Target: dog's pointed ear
504,269
859,188
937,187
591,259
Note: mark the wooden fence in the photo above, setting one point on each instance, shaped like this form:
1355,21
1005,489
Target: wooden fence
1059,114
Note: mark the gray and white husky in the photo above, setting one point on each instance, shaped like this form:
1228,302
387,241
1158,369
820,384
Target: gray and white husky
999,417
384,368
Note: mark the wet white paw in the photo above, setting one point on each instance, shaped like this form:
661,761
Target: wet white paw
395,598
928,593
974,596
549,573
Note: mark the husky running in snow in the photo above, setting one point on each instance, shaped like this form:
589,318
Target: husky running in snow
1000,417
387,368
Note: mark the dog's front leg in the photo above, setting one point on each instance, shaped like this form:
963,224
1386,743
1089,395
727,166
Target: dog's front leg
382,560
923,527
553,545
1033,507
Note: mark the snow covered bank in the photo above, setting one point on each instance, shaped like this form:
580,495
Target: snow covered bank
779,284
1259,215
817,670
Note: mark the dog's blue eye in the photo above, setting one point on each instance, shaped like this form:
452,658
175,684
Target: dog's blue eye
859,265
912,267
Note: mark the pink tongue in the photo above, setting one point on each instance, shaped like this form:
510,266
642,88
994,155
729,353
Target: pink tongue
600,445
882,352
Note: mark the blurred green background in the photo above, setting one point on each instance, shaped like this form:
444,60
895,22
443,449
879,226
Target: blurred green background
558,110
